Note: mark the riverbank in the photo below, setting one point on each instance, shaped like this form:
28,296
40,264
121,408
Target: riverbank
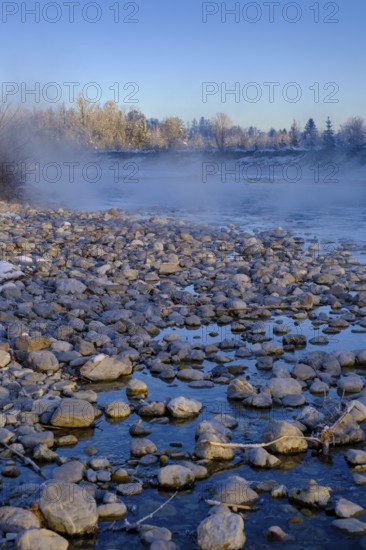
206,334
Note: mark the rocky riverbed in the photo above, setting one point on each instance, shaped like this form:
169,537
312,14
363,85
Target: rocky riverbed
130,344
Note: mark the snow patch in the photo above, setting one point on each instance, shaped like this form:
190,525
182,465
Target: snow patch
9,272
99,358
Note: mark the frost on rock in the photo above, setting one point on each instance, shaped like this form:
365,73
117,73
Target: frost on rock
9,272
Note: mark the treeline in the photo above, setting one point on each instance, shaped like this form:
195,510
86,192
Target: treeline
110,127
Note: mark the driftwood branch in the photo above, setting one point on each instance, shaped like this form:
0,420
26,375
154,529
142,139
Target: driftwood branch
135,526
339,420
322,438
327,433
243,507
27,461
258,445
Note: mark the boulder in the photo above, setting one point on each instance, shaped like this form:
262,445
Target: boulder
240,388
28,344
43,361
260,458
312,496
234,490
282,387
205,450
311,417
40,539
73,413
15,520
113,510
169,268
117,409
5,358
348,432
261,400
350,526
141,447
208,432
175,477
303,372
291,445
345,358
350,384
150,534
68,508
151,410
181,407
346,509
70,286
136,387
221,529
33,439
211,427
130,489
356,457
103,368
276,534
71,472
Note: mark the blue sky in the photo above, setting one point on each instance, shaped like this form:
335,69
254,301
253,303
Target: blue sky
170,52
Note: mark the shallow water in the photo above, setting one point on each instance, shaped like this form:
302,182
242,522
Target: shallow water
322,213
188,508
315,531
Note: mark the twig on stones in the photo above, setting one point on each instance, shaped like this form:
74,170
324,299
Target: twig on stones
327,433
323,437
244,507
258,445
135,526
347,411
52,427
27,461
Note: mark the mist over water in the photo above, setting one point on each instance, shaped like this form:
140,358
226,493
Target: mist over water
324,198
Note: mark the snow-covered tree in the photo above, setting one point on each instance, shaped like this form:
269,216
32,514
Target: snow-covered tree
328,137
221,125
294,135
173,132
353,133
310,134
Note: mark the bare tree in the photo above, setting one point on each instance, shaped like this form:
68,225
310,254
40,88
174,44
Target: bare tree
173,132
221,125
294,134
353,133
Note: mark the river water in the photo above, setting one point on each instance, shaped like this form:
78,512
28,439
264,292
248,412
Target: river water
326,199
326,204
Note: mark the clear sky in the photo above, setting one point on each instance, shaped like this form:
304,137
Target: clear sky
182,57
